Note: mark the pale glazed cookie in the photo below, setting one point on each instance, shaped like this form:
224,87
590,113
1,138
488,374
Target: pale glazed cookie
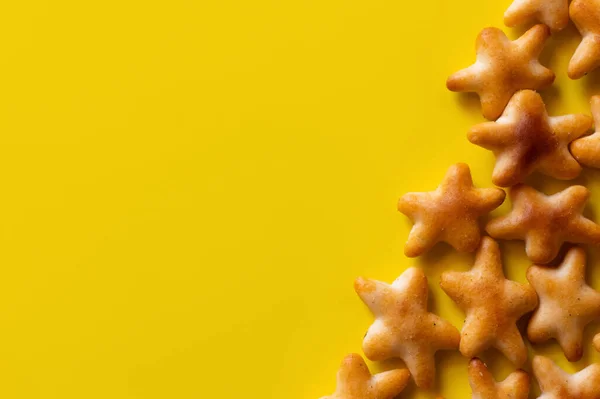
545,222
403,327
492,305
586,150
448,214
567,304
597,342
483,385
504,67
554,13
354,381
586,16
525,139
557,384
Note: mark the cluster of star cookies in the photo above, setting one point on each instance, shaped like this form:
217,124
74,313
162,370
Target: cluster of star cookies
524,140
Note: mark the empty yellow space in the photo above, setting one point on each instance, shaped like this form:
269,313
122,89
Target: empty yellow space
190,187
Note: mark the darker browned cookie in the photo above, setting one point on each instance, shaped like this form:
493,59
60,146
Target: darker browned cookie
525,139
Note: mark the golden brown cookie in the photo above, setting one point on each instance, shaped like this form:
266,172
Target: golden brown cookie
586,16
545,222
354,381
403,327
597,342
586,150
567,304
450,213
554,13
557,384
492,305
525,139
504,67
483,385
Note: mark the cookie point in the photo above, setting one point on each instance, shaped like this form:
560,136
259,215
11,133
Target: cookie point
574,71
362,284
542,29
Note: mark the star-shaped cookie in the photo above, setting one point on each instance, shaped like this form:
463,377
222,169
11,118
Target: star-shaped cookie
450,213
403,327
504,67
557,384
586,150
586,16
483,385
525,139
354,381
554,13
545,222
567,304
492,305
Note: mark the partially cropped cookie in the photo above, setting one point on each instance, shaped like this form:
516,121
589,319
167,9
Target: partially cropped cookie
557,384
567,304
354,381
586,150
449,214
492,305
403,327
545,222
597,342
586,16
504,67
554,13
483,385
525,139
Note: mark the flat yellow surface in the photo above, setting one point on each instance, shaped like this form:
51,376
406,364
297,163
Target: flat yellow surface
191,187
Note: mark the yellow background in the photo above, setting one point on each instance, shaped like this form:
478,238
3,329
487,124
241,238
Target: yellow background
189,188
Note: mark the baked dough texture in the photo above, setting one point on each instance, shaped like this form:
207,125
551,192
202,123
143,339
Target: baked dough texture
403,327
545,222
492,305
450,213
567,304
525,139
483,385
586,16
557,384
586,150
354,381
553,13
504,67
